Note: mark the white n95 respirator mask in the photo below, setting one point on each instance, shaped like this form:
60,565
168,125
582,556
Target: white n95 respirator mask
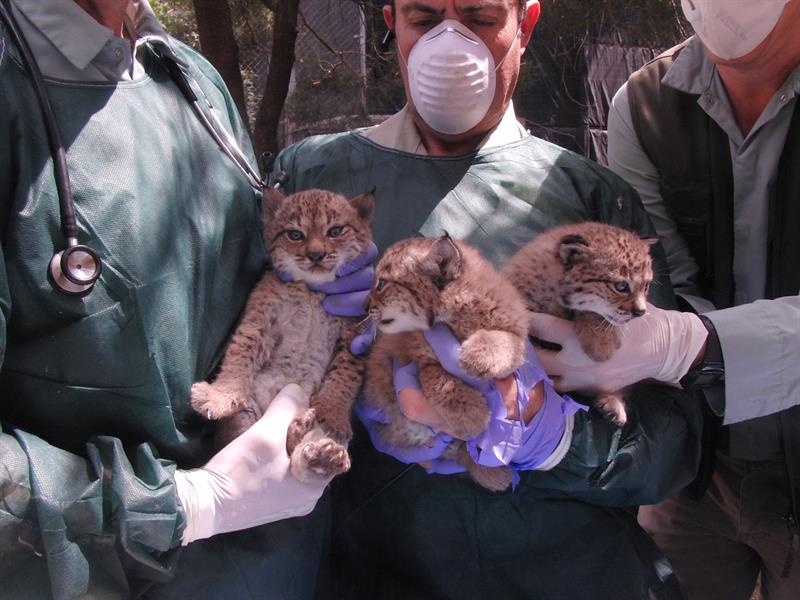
732,28
451,76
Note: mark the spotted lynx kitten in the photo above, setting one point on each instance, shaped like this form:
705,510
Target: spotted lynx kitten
285,336
595,274
420,282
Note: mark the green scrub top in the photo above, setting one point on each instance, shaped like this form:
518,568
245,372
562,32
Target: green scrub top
567,533
94,412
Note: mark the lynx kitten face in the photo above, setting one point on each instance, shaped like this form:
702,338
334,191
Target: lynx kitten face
608,274
408,280
585,267
312,233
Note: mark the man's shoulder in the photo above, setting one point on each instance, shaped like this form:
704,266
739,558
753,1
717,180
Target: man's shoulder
321,148
655,69
194,60
548,156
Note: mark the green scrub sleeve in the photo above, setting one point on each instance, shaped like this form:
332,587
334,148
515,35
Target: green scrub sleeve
652,457
111,518
113,514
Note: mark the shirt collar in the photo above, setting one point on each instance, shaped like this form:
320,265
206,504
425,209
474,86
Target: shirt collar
78,36
692,72
399,132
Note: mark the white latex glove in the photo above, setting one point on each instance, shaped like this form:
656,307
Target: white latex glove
661,345
248,482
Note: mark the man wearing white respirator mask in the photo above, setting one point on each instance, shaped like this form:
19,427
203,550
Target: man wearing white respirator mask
709,134
455,159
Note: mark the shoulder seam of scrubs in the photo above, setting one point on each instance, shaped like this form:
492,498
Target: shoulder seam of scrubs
563,446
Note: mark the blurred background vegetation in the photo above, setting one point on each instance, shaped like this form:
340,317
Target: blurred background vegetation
300,67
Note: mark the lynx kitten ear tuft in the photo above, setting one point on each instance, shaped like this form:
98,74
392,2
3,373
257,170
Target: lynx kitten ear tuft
364,205
444,262
571,249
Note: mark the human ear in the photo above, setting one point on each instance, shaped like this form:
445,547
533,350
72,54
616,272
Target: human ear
532,11
388,16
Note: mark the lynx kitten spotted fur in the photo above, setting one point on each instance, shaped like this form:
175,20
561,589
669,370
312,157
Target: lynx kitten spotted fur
420,282
595,274
285,336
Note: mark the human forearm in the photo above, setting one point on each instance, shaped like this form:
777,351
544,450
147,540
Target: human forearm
653,457
117,502
760,343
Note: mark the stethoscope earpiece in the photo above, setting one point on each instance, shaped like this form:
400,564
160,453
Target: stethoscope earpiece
75,269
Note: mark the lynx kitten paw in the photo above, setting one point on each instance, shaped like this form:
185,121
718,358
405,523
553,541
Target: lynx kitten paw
215,402
318,458
491,354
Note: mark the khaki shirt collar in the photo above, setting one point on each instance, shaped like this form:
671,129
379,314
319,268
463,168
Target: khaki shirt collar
399,132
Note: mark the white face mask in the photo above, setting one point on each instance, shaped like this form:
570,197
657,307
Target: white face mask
732,28
451,76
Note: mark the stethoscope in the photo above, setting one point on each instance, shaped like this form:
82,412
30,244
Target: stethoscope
75,269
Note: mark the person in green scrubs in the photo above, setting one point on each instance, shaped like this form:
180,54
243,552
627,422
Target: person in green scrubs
456,159
101,494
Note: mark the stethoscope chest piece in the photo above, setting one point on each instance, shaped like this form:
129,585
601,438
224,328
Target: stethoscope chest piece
75,269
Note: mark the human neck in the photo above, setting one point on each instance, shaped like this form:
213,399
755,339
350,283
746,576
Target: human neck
438,147
435,145
752,85
110,13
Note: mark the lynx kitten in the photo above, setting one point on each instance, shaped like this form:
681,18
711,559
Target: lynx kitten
285,336
595,274
420,282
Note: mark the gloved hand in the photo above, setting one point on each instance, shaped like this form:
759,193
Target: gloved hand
346,294
248,482
661,344
505,441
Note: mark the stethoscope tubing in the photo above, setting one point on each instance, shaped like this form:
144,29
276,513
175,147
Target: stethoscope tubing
75,279
69,226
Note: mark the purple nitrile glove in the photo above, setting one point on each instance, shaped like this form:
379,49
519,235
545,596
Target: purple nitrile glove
510,441
364,338
371,417
346,294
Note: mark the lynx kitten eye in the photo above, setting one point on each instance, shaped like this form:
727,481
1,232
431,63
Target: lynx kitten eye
335,231
380,285
622,287
295,235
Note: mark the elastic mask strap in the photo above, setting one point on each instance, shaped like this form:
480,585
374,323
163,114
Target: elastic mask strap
505,56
